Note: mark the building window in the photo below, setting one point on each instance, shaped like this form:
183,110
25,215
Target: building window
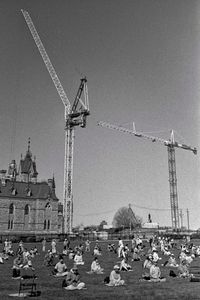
45,224
48,215
14,192
11,209
11,216
26,209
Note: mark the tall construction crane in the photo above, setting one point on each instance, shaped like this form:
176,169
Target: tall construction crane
75,115
171,145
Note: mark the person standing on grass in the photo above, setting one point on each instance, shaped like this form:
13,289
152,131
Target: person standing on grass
6,246
87,246
120,247
53,246
43,245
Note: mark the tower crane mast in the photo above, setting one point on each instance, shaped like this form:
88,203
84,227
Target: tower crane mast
171,145
75,115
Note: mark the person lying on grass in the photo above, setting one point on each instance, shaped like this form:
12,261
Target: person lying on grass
115,277
60,268
72,280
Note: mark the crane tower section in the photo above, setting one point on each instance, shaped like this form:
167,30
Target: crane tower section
171,145
75,115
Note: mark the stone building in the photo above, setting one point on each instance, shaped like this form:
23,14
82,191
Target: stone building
26,205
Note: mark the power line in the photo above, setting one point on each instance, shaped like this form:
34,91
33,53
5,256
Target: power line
151,208
96,214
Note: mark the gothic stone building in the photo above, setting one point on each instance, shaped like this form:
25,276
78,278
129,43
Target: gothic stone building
27,206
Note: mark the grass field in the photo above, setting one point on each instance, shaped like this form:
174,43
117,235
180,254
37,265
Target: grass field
50,287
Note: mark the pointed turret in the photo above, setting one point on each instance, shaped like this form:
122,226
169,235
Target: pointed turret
27,167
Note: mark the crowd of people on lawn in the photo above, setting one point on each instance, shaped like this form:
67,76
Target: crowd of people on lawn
158,253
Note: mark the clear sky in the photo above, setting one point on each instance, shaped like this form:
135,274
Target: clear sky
142,62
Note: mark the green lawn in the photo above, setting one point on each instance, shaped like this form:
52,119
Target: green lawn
50,287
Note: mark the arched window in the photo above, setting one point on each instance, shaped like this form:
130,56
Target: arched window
47,215
11,216
26,217
11,209
26,209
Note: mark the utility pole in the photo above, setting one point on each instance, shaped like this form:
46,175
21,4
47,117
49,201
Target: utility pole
188,222
181,217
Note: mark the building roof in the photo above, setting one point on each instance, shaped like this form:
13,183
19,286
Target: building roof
39,190
27,165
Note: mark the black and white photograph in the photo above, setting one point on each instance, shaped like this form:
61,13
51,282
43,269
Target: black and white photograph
99,151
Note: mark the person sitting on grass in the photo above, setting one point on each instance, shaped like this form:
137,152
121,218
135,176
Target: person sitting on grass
155,273
95,267
115,277
189,259
171,262
17,265
97,250
71,253
124,251
28,272
124,266
1,259
155,256
136,256
78,258
72,280
60,268
49,259
148,262
111,248
183,270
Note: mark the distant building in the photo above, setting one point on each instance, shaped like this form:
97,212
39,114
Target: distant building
26,205
150,225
